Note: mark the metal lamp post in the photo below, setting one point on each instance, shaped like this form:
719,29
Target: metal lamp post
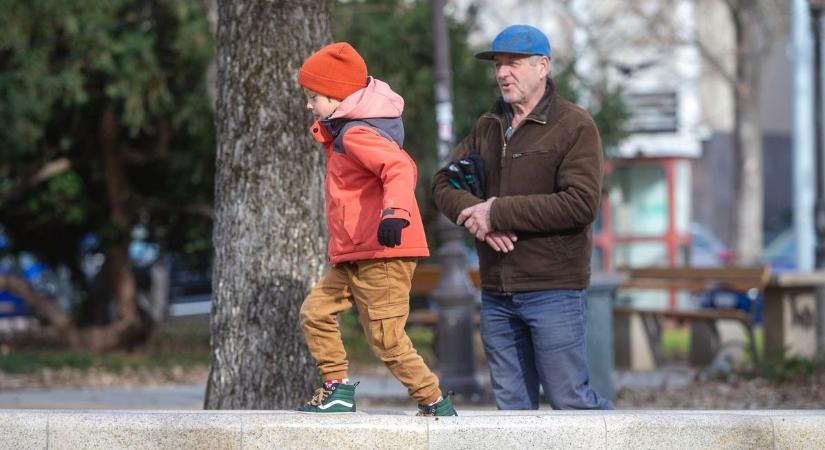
454,294
817,6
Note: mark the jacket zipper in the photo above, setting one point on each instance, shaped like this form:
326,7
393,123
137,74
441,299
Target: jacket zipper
503,157
503,140
519,155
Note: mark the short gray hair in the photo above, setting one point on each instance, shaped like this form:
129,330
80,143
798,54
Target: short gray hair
534,61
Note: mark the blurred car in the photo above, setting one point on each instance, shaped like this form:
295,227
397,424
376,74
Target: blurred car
40,276
780,252
707,250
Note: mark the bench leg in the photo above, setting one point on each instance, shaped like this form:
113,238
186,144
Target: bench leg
752,346
704,342
653,329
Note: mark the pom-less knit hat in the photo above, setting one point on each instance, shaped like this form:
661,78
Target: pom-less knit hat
336,71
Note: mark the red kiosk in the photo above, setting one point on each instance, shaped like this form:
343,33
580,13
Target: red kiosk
645,215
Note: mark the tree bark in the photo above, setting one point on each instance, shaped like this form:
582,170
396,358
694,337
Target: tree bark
269,234
747,132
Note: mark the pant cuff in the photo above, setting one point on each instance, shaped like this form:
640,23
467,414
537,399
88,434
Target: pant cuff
334,376
431,399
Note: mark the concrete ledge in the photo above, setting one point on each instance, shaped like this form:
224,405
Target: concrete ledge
66,429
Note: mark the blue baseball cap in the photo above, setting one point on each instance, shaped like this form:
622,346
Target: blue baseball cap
519,40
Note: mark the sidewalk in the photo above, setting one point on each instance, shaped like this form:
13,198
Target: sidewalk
176,396
375,391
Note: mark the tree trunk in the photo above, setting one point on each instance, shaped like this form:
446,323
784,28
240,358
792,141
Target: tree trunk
129,327
748,137
270,234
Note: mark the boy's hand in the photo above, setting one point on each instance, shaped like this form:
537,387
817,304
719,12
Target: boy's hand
389,231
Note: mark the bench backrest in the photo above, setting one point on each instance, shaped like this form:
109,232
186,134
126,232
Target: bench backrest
697,279
427,276
693,279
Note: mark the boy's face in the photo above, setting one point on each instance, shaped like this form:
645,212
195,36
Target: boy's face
319,105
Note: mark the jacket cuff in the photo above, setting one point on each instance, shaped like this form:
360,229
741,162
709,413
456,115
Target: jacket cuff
499,216
395,213
467,200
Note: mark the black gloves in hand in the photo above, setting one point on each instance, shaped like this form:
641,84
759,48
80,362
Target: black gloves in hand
389,232
468,174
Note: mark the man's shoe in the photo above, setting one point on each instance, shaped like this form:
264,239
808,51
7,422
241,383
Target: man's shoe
442,408
337,399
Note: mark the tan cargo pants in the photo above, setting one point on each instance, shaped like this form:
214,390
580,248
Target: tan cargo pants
380,289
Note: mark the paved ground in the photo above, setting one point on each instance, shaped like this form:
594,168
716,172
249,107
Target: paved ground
375,391
179,396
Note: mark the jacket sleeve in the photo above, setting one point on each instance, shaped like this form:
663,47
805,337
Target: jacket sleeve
388,162
448,199
576,201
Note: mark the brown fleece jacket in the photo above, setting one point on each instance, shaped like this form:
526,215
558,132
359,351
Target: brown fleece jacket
547,180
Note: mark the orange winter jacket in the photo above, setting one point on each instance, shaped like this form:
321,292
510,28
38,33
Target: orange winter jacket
369,176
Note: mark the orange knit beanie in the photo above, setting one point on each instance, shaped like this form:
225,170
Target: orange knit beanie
336,71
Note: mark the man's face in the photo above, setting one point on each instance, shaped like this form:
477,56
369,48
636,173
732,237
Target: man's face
518,79
319,105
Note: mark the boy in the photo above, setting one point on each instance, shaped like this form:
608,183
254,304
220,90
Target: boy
376,233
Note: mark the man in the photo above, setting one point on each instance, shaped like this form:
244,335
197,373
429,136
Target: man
543,167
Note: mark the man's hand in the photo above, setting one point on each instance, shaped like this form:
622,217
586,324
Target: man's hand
501,241
476,218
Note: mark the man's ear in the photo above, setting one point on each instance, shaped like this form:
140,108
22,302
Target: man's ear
544,62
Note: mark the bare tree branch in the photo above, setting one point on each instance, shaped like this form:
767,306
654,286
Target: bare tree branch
42,174
39,304
49,170
714,62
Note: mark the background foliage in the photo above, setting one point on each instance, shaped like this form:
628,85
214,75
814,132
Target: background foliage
61,63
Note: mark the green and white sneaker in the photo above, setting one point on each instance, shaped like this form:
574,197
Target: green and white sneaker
338,398
442,408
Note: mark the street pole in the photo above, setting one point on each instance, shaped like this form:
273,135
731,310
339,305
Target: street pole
454,294
819,214
817,7
804,171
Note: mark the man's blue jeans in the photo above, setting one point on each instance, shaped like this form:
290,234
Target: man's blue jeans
538,338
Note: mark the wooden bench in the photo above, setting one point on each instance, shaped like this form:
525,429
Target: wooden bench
695,281
427,275
423,283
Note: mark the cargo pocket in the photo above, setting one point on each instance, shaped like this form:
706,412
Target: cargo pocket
387,323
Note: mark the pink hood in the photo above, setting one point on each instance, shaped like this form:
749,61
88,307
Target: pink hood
375,100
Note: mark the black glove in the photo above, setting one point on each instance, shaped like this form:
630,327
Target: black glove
456,176
473,168
389,232
467,174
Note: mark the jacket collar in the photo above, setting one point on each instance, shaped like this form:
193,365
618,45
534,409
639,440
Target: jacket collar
321,131
326,129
